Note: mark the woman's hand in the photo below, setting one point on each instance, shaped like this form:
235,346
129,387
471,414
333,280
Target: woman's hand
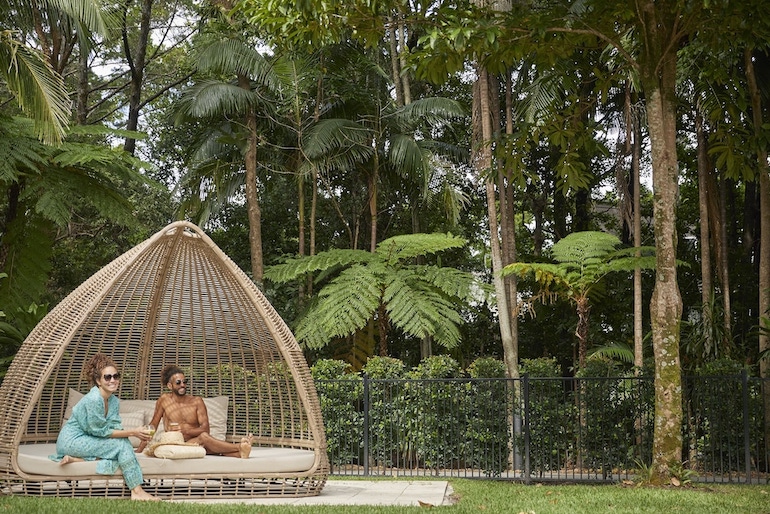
141,433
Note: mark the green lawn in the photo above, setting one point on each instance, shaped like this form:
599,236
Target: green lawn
473,496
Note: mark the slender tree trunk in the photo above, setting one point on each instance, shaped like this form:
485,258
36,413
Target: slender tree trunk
395,69
82,99
508,236
658,76
136,65
482,162
373,184
764,239
704,168
636,150
252,193
403,50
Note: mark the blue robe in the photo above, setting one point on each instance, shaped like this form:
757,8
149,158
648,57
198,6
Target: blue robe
86,434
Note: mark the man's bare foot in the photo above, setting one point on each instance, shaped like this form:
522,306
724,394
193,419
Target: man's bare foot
68,459
137,493
245,446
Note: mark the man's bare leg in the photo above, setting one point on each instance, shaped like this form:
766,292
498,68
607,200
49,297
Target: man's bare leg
218,447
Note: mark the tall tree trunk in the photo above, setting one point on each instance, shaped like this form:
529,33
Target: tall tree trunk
403,51
482,163
764,239
704,168
373,184
136,63
636,151
82,99
658,76
508,238
253,209
395,68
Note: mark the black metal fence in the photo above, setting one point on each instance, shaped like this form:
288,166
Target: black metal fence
539,429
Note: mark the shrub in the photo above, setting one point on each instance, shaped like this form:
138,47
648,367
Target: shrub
489,416
340,393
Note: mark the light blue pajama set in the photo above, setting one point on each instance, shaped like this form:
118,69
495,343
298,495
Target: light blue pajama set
86,434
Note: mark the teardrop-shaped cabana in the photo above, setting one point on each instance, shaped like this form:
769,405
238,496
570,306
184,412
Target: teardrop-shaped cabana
173,299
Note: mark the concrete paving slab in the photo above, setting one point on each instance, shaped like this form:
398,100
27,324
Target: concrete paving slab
361,492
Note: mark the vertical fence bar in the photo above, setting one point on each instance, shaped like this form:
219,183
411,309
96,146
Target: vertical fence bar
366,424
525,393
746,424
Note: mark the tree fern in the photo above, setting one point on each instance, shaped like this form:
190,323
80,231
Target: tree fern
420,300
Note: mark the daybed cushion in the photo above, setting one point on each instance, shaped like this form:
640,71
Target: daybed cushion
33,459
135,413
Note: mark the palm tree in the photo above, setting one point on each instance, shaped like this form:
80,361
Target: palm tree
228,111
583,260
385,286
37,87
369,133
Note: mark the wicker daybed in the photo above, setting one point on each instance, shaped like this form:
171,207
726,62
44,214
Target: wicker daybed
174,299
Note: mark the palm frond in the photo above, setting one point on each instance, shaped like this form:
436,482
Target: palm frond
38,89
433,110
408,158
214,99
617,351
235,57
347,140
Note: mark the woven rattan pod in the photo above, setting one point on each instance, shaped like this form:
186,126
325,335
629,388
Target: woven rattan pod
174,299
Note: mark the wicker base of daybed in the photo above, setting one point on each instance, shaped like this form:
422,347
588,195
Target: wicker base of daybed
268,472
174,488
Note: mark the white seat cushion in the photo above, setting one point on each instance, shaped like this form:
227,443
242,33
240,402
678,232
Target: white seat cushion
33,459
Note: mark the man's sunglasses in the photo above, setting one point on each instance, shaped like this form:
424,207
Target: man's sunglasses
180,382
109,377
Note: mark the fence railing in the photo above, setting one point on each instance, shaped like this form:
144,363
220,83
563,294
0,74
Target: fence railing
539,429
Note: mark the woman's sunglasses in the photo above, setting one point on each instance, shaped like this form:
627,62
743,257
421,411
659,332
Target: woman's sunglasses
109,377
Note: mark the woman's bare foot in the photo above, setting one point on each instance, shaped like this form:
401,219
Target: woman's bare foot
245,446
68,459
137,493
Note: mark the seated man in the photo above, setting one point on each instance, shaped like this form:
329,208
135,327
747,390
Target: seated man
188,414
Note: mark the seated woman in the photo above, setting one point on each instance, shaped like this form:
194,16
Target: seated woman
95,432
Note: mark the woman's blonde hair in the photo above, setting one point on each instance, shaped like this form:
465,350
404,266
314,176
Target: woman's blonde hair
95,365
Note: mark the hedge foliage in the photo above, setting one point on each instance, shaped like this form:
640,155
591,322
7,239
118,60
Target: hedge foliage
438,416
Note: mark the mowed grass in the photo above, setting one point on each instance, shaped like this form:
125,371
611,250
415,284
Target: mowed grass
472,496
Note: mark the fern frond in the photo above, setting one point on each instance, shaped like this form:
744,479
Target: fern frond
418,310
30,245
453,282
295,268
584,247
343,307
408,246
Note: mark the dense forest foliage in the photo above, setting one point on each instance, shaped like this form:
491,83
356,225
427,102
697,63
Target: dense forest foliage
401,177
